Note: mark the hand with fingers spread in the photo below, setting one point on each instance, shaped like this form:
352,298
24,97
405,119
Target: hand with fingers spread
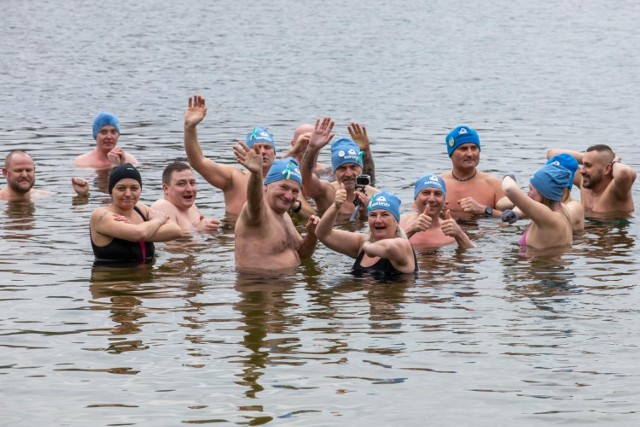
196,111
321,134
359,135
250,158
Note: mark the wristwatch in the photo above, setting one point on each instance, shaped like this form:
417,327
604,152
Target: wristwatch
488,211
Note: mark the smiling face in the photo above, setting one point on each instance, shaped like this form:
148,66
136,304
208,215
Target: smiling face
182,189
432,197
279,195
466,156
20,172
107,138
594,168
126,193
382,224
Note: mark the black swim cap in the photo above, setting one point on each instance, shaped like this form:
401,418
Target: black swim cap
126,170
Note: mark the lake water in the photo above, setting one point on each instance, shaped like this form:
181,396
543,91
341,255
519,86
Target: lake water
483,336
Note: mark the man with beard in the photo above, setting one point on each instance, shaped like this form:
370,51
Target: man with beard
20,172
180,191
424,227
470,191
346,163
106,154
604,181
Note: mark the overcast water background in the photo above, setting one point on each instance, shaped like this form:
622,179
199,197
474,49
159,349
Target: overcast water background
483,336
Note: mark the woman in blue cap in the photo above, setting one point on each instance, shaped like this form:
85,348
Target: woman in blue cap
574,208
550,221
386,251
124,231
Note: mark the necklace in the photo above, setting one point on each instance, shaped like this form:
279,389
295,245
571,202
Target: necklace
464,179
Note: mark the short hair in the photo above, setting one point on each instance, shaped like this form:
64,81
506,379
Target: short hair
7,160
171,168
603,149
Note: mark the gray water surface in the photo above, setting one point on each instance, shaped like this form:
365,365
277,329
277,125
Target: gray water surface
484,336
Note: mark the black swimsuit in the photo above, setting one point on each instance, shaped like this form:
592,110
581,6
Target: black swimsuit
382,267
124,251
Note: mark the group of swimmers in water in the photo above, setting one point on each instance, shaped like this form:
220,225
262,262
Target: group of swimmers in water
269,191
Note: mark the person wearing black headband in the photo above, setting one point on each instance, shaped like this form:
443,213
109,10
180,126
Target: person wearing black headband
124,231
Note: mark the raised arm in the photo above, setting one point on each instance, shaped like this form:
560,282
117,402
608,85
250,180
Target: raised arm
313,186
623,178
535,211
359,135
251,159
309,243
552,152
345,242
218,175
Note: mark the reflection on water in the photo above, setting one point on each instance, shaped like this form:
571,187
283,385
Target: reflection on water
544,339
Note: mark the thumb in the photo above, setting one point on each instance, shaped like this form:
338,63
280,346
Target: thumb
427,208
447,214
341,187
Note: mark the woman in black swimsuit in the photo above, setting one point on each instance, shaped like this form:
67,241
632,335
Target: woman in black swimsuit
386,250
124,231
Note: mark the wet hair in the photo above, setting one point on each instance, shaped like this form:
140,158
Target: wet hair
7,160
171,168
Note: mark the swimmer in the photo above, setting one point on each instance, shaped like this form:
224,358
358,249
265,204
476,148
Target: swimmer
106,154
574,208
232,181
424,226
605,182
470,191
346,162
180,190
266,238
550,221
386,251
20,172
124,231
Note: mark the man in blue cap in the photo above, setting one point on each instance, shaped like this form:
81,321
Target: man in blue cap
266,238
605,182
346,163
471,192
424,227
231,180
106,154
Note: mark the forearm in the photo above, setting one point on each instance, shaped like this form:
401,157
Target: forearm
255,196
192,146
308,245
464,241
369,166
167,231
555,151
325,226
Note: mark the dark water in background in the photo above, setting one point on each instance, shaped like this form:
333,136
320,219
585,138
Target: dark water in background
483,336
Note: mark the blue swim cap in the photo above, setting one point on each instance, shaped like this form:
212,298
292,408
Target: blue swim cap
260,134
344,150
286,168
550,181
385,201
429,181
567,161
461,135
104,119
